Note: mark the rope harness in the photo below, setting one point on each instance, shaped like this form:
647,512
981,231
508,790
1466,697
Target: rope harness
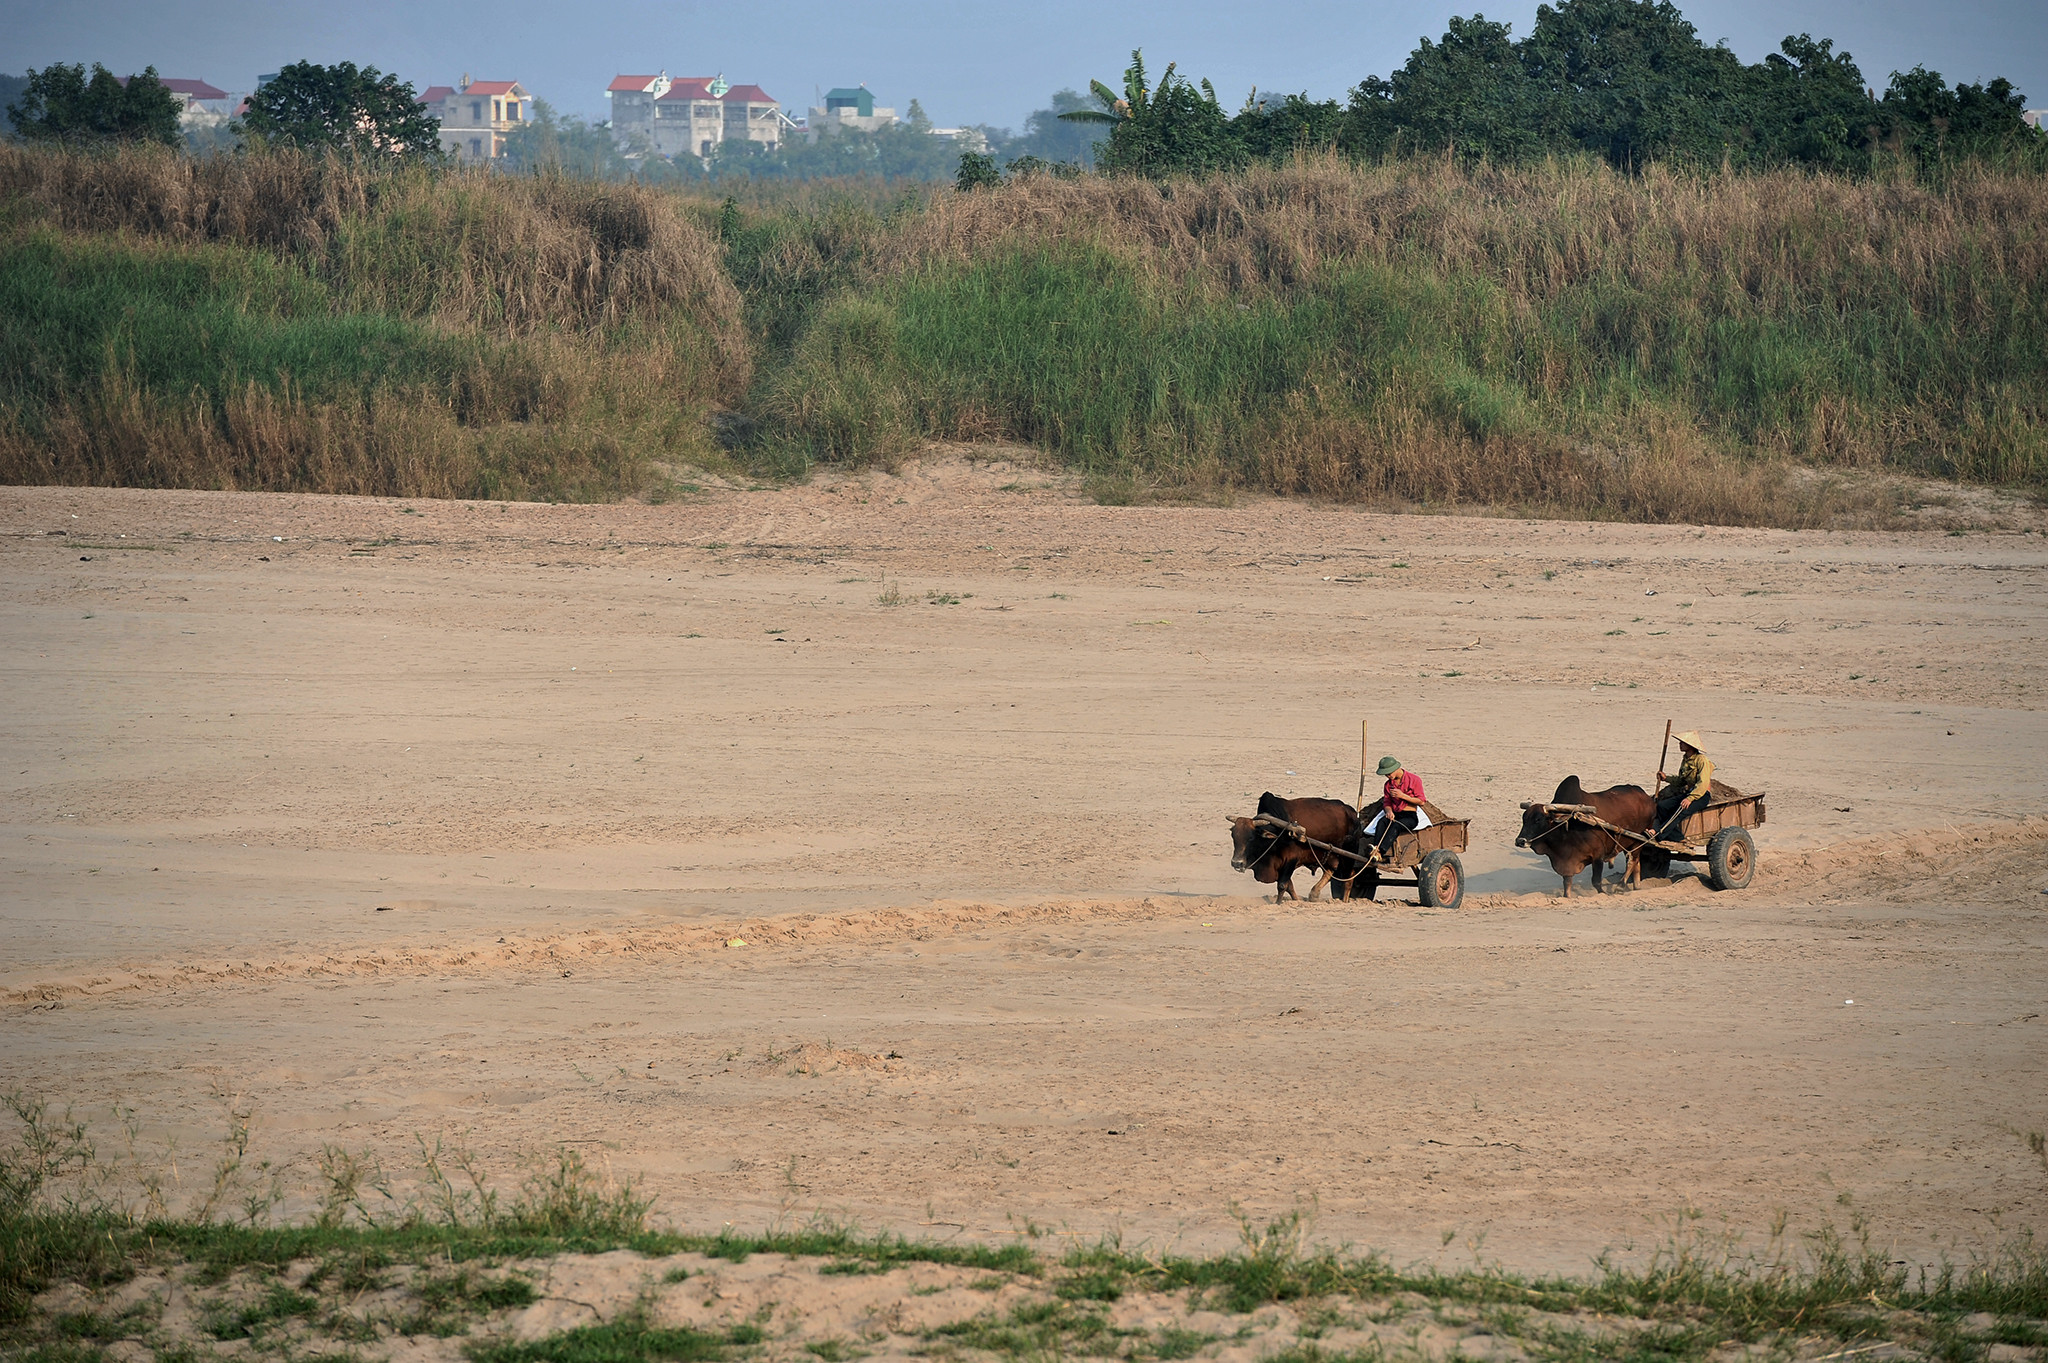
1272,845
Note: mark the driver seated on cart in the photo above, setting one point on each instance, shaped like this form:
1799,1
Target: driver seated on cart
1688,791
1400,807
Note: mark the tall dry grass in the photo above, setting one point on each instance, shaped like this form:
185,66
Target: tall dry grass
1561,336
1558,338
552,335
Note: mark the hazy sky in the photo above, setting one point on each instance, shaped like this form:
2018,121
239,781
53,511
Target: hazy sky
969,62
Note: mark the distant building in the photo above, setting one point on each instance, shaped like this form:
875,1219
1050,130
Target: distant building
690,115
2035,118
199,105
752,115
476,115
849,108
969,139
204,106
632,100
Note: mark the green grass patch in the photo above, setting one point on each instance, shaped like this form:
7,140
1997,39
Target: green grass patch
631,1340
276,1306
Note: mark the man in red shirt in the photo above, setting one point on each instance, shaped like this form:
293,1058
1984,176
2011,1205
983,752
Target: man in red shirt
1400,805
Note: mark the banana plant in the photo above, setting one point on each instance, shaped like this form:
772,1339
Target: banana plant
1133,102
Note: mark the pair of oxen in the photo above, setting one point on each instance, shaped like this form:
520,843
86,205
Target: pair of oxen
1273,855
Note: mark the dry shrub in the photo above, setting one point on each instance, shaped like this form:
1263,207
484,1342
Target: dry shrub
387,443
1402,459
1534,231
1663,346
473,248
599,321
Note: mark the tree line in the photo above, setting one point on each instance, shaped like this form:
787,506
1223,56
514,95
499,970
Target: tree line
1627,81
355,110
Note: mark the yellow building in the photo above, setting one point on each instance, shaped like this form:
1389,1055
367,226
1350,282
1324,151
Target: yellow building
476,115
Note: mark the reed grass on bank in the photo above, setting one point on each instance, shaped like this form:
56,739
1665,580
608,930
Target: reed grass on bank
1560,338
1660,346
296,323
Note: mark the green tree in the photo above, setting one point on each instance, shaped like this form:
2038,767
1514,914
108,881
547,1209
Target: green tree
1809,104
362,112
916,119
1925,116
1468,92
1275,129
1050,138
977,171
1631,81
11,89
888,153
1175,129
548,141
60,104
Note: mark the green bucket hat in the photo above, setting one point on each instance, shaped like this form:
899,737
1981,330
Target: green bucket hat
1389,765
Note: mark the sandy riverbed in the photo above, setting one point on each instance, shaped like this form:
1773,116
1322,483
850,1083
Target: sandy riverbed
950,753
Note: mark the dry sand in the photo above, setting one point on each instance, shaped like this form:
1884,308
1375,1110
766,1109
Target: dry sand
439,817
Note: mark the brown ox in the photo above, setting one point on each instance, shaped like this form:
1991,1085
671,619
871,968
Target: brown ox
1273,856
1571,846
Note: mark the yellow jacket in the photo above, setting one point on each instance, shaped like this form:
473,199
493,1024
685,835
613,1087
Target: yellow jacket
1695,776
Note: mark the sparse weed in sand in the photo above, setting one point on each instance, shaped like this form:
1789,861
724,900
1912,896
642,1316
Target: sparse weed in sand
441,1257
632,1340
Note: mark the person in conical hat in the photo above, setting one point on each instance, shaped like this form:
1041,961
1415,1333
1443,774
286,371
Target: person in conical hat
1400,805
1690,788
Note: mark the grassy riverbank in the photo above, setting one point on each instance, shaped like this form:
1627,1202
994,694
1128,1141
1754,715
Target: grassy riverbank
101,1256
90,1286
289,323
1561,339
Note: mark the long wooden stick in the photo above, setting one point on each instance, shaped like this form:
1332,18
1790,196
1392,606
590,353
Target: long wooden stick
1361,764
1662,753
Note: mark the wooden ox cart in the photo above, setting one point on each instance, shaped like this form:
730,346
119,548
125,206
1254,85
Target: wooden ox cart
1428,855
1717,833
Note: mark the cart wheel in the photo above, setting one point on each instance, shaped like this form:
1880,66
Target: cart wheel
1731,859
1440,880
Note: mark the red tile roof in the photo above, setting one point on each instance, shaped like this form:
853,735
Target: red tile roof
490,87
434,94
749,94
194,89
631,82
690,87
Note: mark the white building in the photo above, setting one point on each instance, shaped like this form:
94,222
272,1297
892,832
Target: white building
969,139
201,105
690,115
